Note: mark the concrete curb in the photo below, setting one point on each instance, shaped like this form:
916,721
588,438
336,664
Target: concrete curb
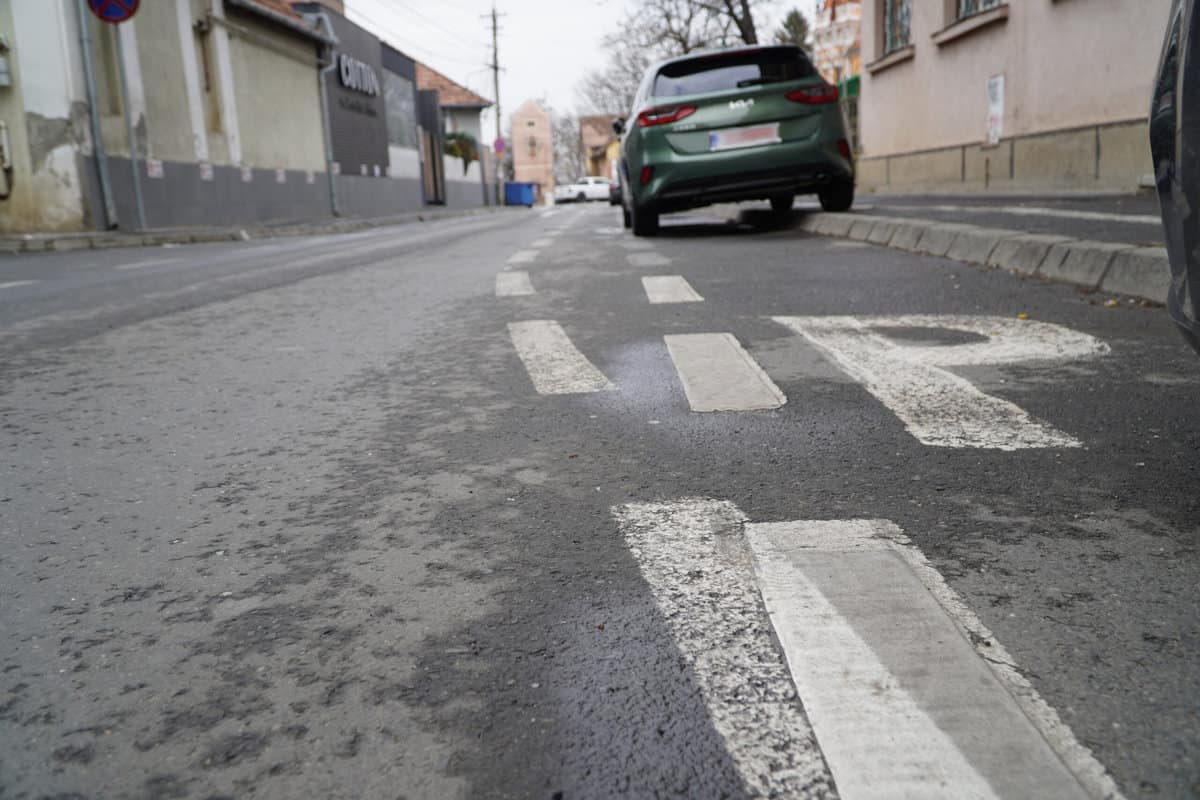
37,243
1126,269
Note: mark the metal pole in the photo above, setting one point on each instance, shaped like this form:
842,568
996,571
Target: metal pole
334,204
496,67
133,150
89,73
496,91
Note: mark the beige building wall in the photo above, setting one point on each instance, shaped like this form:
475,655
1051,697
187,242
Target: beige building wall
1077,83
278,97
533,148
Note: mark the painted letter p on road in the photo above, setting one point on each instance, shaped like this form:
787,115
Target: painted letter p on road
940,408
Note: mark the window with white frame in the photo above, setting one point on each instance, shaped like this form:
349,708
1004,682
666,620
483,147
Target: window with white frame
897,32
967,8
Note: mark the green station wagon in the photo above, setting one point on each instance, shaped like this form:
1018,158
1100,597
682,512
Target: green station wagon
752,123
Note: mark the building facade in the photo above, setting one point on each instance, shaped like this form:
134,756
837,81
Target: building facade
595,136
205,113
837,39
533,148
972,95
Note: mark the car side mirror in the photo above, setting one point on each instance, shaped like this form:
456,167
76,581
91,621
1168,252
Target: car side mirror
618,126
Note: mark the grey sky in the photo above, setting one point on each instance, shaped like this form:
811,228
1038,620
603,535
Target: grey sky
546,47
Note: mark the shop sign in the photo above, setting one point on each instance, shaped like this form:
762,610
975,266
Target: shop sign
358,76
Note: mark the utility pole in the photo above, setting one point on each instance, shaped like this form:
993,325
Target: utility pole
495,65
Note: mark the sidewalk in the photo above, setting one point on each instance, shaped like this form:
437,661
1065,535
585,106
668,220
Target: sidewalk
1111,243
95,240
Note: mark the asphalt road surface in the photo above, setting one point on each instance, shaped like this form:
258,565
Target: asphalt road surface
520,506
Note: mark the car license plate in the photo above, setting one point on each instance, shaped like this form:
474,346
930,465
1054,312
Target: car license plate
749,136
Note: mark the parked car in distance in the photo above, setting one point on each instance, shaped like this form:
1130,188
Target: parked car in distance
614,192
751,123
1175,147
590,187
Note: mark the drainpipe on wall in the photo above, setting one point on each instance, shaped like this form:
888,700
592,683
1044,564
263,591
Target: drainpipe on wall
139,201
327,24
89,74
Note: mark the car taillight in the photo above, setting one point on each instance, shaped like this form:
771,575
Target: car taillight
813,95
843,148
647,174
664,115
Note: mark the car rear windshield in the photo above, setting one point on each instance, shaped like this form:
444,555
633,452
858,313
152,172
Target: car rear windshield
718,73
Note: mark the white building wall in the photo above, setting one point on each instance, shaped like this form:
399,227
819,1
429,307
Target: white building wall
45,114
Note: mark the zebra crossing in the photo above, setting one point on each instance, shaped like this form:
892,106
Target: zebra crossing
912,378
902,691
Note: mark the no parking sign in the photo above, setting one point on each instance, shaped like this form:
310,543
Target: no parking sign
114,11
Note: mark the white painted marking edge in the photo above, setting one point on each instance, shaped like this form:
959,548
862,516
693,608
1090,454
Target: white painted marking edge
900,751
554,364
669,289
700,403
523,257
768,738
513,284
851,345
15,284
1077,758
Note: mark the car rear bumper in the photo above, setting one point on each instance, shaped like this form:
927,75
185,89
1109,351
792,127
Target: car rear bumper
692,192
681,182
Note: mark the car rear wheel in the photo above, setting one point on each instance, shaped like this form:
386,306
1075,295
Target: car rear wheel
579,198
838,196
644,221
782,203
626,218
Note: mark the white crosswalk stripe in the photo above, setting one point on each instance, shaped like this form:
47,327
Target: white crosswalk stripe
554,364
513,284
695,561
719,375
907,693
523,257
669,289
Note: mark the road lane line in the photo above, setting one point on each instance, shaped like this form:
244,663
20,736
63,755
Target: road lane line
15,284
647,260
554,364
719,375
694,558
901,703
523,257
161,262
512,284
936,406
669,289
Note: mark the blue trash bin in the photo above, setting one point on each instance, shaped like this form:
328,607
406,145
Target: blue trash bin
520,194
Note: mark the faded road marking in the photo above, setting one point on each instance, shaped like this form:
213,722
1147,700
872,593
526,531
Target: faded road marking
15,284
719,375
669,289
161,262
695,561
523,257
545,241
901,703
647,260
512,284
938,407
554,364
